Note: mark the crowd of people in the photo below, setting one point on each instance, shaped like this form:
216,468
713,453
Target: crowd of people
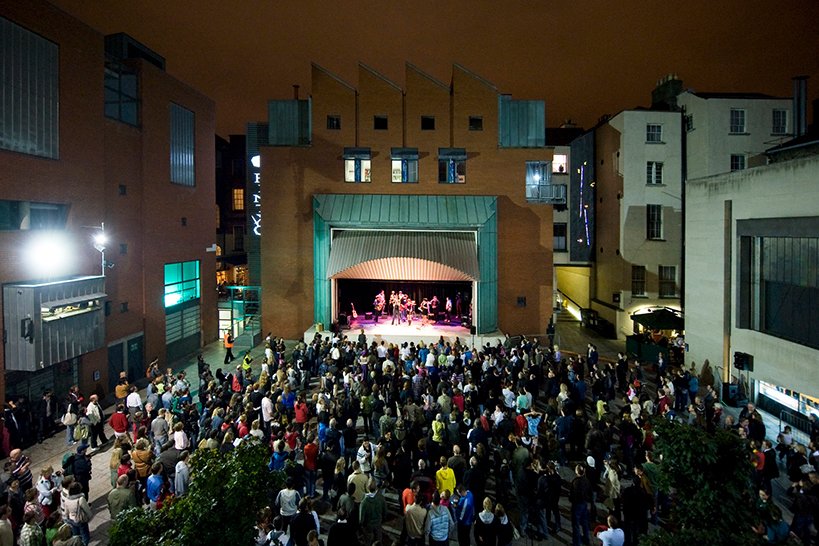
478,445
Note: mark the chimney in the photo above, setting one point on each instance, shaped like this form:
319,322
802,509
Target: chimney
800,105
296,91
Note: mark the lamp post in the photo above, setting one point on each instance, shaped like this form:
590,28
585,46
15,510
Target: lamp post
100,239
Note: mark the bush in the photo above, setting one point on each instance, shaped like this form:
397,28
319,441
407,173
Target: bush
225,496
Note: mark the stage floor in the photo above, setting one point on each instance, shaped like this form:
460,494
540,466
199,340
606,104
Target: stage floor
416,332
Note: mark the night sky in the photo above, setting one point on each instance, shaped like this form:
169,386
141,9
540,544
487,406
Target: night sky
584,58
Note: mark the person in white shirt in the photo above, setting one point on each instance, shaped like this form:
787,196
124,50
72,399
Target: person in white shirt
365,456
613,536
133,402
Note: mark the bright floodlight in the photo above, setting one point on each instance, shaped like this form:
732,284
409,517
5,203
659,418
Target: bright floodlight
256,161
49,254
100,239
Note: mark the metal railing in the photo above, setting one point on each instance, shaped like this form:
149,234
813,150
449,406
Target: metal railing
552,194
800,426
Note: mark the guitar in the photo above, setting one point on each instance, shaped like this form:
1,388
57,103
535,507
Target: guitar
355,315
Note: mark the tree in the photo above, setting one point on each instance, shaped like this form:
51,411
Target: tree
709,477
226,493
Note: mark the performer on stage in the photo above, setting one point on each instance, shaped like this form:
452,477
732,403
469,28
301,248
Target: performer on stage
402,299
424,308
448,309
410,311
433,308
378,305
395,305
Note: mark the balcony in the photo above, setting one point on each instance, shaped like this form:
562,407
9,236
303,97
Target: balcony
546,194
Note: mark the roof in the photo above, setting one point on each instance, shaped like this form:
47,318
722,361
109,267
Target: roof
719,95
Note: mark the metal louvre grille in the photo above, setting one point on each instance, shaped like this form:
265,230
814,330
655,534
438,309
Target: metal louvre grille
182,324
29,92
182,145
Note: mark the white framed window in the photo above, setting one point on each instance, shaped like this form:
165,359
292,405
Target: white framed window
638,280
451,166
779,124
654,172
654,221
668,281
357,165
404,165
560,164
737,162
654,132
737,121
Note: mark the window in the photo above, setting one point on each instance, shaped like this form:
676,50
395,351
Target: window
238,238
560,164
357,165
29,111
654,132
121,92
638,280
25,215
737,162
123,248
404,165
181,282
654,221
779,282
238,199
123,307
668,281
654,172
380,123
333,122
451,165
780,122
182,146
560,238
427,123
476,123
737,121
689,123
123,189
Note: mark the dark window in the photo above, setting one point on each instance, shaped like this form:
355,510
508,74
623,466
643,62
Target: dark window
451,171
47,216
123,307
123,248
560,238
182,145
107,307
123,189
668,281
380,123
121,92
638,280
427,123
654,221
476,123
333,122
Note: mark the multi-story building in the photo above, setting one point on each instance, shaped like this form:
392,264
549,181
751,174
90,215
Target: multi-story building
752,244
231,182
430,183
638,185
97,139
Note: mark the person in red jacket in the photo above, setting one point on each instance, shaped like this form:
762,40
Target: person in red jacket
119,421
311,450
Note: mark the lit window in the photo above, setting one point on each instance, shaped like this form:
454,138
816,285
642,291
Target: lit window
357,165
737,162
737,121
238,199
668,281
560,164
654,221
638,280
654,132
451,165
181,282
780,122
404,165
654,172
476,123
560,237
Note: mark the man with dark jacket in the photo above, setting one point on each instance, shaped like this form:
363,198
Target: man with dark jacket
580,494
82,468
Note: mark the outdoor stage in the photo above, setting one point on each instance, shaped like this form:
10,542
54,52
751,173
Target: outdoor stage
416,332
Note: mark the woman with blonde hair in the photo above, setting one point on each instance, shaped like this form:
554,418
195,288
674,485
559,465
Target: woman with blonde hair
485,532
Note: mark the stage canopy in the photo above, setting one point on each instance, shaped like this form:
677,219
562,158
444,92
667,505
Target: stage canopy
404,255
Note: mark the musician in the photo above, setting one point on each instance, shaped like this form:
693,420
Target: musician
395,304
448,309
433,308
410,311
424,308
378,305
403,298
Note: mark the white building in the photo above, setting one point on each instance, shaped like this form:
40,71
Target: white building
752,278
726,131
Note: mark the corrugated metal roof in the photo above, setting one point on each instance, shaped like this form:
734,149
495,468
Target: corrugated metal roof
405,211
407,255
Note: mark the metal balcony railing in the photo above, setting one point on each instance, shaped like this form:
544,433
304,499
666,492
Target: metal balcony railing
548,194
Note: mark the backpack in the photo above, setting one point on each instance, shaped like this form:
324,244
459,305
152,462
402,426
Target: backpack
81,433
68,464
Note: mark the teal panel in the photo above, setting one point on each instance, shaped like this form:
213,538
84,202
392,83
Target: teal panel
488,285
288,122
363,211
322,296
521,123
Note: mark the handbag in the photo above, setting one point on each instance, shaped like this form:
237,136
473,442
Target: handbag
69,418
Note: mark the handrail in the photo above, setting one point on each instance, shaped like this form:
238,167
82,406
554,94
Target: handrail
800,426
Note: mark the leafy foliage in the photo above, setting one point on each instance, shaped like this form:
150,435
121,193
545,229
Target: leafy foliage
225,495
709,477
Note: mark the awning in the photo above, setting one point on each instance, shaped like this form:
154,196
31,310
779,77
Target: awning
660,319
404,255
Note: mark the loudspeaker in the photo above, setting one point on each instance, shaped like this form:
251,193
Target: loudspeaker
473,330
743,361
